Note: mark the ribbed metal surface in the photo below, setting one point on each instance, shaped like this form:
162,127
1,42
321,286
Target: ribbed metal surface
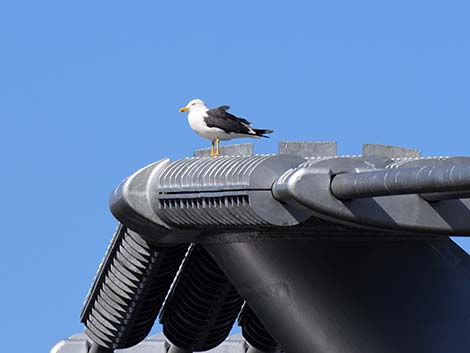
415,162
222,211
311,161
207,173
202,306
255,333
130,289
222,192
397,162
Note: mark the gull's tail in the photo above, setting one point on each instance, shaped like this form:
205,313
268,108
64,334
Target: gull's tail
262,132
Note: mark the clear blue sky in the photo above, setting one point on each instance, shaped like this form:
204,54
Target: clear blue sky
90,91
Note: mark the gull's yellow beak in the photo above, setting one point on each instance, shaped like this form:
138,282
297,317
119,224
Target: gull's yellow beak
183,109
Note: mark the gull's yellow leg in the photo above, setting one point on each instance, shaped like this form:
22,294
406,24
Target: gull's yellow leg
217,152
212,148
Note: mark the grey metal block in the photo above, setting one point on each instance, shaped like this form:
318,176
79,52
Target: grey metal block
233,344
389,151
75,344
154,344
241,149
308,148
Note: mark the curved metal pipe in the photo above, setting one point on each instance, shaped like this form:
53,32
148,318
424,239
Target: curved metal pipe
400,181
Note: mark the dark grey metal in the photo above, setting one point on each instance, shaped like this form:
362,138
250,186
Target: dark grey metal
198,193
255,332
129,290
310,186
95,348
354,294
308,148
202,305
334,254
428,179
441,196
252,349
130,202
176,349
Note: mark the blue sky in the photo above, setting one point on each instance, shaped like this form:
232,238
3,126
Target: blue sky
90,91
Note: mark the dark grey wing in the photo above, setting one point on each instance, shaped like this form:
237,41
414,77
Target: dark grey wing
219,117
227,107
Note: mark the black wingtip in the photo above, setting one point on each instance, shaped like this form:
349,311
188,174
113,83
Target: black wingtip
262,132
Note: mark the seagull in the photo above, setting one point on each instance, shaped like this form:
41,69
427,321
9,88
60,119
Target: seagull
218,125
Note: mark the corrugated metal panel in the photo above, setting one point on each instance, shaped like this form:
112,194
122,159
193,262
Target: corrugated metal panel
208,173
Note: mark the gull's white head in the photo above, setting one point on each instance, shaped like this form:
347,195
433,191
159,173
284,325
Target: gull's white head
194,104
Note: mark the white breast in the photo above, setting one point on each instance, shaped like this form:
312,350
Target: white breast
197,123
